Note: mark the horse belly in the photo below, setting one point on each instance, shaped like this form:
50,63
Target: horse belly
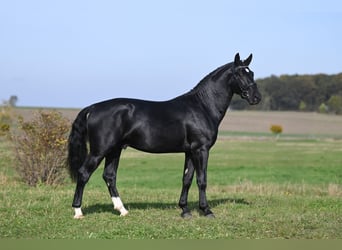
158,140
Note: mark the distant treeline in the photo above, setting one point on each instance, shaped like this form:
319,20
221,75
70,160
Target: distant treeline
320,93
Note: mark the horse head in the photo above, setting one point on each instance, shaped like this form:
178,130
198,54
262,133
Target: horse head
243,80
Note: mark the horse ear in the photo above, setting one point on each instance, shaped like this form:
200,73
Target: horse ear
248,60
237,60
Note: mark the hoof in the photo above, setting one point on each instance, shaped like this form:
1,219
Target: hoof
78,213
186,215
78,217
207,213
210,216
123,213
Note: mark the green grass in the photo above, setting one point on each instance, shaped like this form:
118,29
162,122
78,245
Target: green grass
256,188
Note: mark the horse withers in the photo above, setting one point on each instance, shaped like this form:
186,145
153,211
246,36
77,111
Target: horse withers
186,124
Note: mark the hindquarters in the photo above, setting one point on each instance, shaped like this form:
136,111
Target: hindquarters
106,128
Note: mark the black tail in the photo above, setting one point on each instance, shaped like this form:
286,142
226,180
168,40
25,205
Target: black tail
77,148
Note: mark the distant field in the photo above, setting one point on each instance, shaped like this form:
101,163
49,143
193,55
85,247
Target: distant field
292,122
309,124
258,187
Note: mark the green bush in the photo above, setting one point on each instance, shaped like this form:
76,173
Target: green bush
335,104
323,108
6,119
41,145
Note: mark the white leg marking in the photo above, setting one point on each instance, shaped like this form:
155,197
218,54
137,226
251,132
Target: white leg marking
186,171
118,205
78,213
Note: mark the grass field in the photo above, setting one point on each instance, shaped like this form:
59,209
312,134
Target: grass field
258,187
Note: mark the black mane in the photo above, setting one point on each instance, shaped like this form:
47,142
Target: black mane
204,83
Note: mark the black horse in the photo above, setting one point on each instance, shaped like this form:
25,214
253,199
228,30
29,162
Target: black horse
188,123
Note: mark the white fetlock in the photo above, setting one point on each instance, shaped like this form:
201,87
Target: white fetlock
78,213
118,205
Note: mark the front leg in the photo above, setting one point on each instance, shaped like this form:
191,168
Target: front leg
200,158
188,175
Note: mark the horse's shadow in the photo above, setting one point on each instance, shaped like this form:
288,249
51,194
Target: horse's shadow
108,207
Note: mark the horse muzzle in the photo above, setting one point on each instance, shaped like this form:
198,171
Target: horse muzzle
255,99
252,98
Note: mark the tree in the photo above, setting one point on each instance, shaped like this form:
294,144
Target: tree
13,101
300,92
335,104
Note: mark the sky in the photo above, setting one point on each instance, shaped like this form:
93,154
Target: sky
72,53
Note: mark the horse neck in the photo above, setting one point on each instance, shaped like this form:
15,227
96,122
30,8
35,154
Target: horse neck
215,93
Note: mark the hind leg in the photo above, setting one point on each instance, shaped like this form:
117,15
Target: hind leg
89,166
109,176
